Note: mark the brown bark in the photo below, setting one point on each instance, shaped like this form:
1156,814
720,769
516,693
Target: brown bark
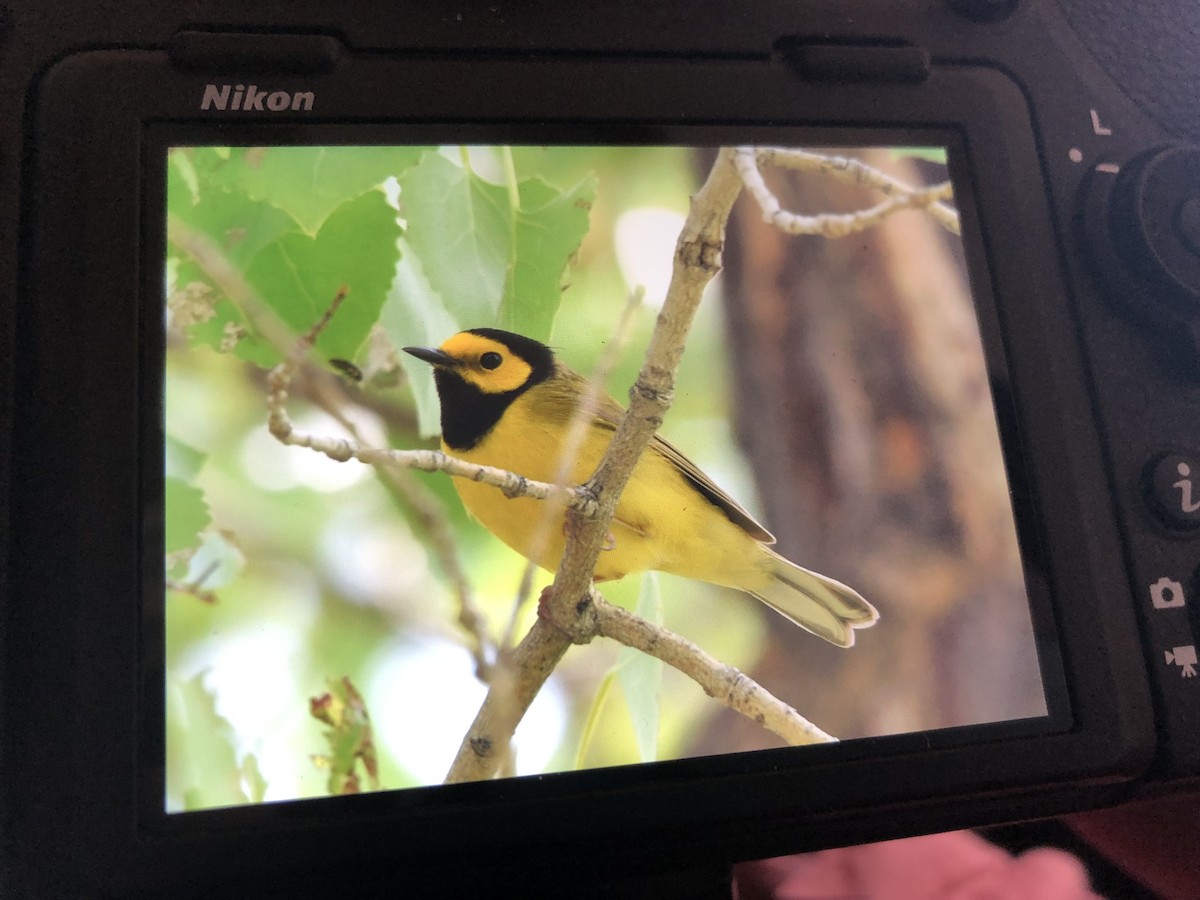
863,405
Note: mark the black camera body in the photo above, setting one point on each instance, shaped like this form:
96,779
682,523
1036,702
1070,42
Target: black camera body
1081,193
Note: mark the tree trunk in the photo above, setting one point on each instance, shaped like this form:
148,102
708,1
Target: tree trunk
863,405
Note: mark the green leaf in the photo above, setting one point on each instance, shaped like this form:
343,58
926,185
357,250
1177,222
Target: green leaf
311,182
230,330
298,276
345,745
236,225
461,227
549,228
471,259
350,736
297,223
201,741
414,315
493,259
238,229
186,515
640,675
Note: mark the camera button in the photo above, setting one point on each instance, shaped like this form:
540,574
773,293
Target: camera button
1173,490
856,62
1142,232
1155,221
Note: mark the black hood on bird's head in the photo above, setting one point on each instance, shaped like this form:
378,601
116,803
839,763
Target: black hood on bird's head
468,413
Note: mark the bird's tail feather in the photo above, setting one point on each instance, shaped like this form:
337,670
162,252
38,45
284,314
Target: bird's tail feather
827,608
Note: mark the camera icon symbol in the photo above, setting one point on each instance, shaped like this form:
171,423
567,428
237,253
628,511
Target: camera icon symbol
1166,593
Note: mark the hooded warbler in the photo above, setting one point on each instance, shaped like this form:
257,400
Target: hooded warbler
506,401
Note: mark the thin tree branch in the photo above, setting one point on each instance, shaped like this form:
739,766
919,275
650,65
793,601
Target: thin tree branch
192,588
722,682
341,449
833,225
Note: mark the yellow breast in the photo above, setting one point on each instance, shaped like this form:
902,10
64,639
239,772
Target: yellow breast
662,522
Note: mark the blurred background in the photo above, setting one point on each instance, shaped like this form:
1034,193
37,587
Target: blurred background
836,388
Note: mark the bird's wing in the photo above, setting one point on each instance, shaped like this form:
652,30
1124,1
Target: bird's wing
705,485
609,414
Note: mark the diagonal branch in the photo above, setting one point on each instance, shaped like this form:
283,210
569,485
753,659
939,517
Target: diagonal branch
722,682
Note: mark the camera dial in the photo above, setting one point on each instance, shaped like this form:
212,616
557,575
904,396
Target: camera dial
1143,229
1154,218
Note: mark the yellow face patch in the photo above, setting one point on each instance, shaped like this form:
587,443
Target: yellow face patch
487,364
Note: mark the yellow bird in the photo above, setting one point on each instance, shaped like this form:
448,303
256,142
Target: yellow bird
508,402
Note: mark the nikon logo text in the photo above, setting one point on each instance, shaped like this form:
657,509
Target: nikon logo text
248,98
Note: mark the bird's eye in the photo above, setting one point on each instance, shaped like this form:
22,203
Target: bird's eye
491,360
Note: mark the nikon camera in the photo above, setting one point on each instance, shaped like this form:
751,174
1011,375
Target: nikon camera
946,353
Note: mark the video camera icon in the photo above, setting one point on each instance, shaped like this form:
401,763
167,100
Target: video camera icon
1185,658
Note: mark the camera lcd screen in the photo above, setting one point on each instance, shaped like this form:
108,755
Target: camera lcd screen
333,626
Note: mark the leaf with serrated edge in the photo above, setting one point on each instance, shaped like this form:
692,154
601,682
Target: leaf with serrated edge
549,228
298,276
461,228
203,742
311,182
415,316
186,515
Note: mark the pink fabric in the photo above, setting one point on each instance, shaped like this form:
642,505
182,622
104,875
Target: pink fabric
957,865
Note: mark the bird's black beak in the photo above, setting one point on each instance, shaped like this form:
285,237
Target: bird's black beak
434,356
